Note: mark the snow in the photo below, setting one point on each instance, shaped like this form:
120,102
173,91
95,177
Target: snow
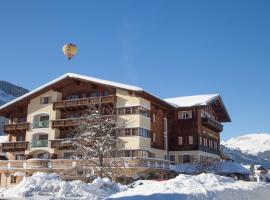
253,144
50,186
189,101
220,168
203,187
184,187
76,76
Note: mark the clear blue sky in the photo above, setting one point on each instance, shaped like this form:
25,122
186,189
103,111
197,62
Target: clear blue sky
170,48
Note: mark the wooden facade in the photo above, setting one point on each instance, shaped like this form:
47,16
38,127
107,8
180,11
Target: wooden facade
166,126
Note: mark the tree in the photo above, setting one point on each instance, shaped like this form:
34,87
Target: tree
96,140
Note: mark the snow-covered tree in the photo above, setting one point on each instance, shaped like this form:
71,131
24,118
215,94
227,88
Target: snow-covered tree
96,140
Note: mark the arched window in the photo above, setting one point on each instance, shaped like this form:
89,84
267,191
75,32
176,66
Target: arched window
41,121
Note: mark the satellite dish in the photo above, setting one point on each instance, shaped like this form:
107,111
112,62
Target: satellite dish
69,50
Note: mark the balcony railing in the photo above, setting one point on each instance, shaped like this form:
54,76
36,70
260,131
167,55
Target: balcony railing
210,122
72,122
83,102
14,146
62,143
39,143
41,124
16,127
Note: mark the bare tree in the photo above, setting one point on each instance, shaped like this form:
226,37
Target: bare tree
96,140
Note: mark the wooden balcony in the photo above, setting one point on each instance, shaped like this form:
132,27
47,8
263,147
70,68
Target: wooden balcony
65,123
83,102
14,146
212,124
62,144
18,127
71,122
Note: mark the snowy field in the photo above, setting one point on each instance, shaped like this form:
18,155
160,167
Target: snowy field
184,187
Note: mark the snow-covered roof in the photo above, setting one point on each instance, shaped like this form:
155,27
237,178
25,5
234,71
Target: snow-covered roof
76,76
221,168
189,101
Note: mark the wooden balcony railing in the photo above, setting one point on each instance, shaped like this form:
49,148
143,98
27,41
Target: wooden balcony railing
17,127
62,123
211,123
83,102
62,143
72,122
14,146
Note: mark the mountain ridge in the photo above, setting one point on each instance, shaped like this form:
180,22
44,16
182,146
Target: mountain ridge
249,149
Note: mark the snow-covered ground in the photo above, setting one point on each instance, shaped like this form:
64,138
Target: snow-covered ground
184,187
201,187
50,186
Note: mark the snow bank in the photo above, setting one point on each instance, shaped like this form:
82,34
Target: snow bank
203,187
51,186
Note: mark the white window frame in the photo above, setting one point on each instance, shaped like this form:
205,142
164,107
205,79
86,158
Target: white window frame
190,139
180,140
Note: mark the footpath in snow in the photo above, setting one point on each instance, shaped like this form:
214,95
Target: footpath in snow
43,186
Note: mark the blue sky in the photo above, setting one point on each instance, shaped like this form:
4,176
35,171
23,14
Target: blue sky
170,48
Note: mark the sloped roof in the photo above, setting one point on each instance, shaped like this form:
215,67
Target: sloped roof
189,101
76,76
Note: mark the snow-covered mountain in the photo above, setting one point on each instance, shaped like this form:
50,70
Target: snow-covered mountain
9,92
249,149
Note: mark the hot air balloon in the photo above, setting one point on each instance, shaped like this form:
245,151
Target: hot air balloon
69,50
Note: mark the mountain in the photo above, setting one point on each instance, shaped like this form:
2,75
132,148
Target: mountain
9,92
249,149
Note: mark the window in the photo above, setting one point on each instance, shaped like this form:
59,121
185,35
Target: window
205,142
44,100
71,97
19,157
165,141
180,140
68,155
190,139
19,138
154,137
127,153
201,140
94,94
128,111
12,179
121,111
180,159
41,121
172,158
185,114
186,159
106,93
128,132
